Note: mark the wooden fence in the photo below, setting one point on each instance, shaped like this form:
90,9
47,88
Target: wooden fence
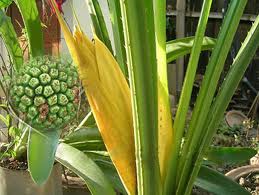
182,18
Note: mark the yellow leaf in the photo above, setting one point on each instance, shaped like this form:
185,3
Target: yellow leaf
165,127
108,94
165,124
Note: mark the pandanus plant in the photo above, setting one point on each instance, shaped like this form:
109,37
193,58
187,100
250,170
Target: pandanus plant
43,94
152,153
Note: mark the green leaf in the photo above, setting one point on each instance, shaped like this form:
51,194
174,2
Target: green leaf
98,22
95,23
88,121
84,167
165,125
5,120
180,47
196,130
185,98
20,147
14,132
229,155
41,154
103,160
31,19
139,31
5,3
117,28
89,145
217,183
231,82
98,155
4,106
86,139
84,134
112,175
10,39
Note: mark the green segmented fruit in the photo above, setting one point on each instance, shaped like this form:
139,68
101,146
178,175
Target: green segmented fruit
45,93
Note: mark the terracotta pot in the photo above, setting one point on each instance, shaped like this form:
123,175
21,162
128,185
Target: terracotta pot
14,182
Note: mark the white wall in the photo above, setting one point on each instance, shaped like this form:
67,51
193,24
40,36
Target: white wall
81,9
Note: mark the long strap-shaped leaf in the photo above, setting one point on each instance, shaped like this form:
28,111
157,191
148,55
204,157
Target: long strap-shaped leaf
41,154
112,175
84,134
31,19
10,39
117,28
229,155
236,73
175,49
98,23
208,88
217,183
165,126
180,47
84,167
183,106
139,32
86,139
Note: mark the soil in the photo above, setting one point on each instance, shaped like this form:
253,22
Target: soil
251,183
239,136
199,191
14,164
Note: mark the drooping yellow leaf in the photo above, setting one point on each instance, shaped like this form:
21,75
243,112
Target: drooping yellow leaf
108,94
